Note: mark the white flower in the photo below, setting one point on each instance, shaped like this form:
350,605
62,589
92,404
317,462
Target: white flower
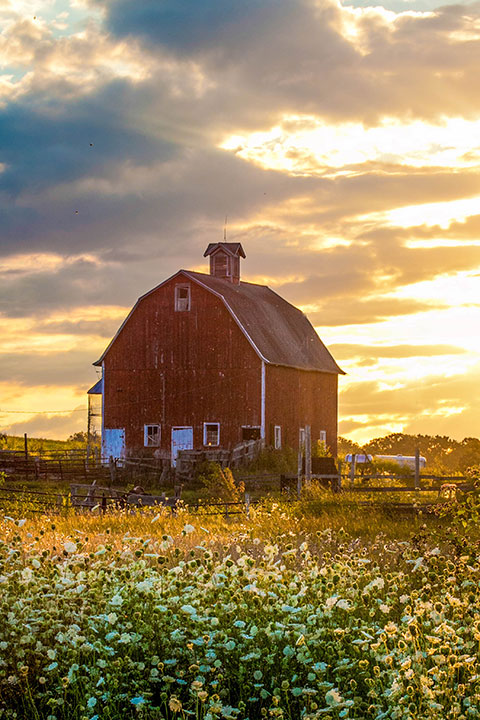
116,600
376,583
189,609
188,529
70,547
27,574
418,564
144,585
333,697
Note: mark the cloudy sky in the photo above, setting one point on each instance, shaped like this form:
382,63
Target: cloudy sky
341,139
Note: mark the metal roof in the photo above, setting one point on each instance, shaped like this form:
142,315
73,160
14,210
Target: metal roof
279,332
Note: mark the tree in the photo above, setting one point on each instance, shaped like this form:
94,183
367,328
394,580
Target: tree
80,436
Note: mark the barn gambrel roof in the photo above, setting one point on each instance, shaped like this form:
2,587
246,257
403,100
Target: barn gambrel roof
279,332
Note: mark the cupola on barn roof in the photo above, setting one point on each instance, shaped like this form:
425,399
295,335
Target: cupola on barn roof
225,260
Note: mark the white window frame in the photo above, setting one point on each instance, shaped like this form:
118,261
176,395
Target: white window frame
182,304
205,443
148,436
277,437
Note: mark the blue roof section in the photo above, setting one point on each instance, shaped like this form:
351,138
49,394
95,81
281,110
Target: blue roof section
96,389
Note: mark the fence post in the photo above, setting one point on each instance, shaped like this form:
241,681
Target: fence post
112,465
308,455
417,468
299,486
25,440
353,468
338,486
247,504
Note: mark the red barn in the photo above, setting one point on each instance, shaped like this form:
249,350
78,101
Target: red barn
209,360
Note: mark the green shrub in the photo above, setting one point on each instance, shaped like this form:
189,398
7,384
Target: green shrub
272,462
219,483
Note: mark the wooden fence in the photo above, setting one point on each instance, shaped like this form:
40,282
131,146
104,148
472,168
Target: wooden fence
241,454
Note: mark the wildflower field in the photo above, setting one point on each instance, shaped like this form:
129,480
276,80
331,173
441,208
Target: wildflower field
275,616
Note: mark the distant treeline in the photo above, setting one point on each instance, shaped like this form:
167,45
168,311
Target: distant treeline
37,445
443,454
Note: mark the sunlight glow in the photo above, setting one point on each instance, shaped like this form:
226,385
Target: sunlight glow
438,214
303,144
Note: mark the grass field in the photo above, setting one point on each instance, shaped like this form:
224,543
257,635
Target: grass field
293,613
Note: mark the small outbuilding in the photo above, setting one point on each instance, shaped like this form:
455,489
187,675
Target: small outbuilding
210,361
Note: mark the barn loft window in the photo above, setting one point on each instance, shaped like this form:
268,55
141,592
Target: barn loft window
151,435
182,298
211,434
277,437
250,432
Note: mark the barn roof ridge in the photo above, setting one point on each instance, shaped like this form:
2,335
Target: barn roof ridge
279,332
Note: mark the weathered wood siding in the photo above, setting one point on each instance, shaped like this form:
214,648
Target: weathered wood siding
295,398
181,369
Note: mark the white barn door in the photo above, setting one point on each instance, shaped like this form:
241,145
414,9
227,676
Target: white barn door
113,443
182,439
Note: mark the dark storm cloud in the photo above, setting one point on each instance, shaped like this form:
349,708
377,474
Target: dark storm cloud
143,222
60,141
190,25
